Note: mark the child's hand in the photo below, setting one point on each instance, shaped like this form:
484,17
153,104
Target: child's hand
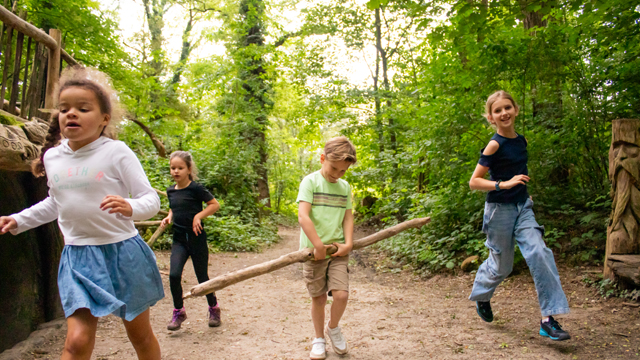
166,221
7,223
116,204
343,249
320,253
516,180
197,225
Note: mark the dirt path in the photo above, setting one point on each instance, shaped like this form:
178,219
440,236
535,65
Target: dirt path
392,314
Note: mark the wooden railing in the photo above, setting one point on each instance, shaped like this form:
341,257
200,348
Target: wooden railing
33,90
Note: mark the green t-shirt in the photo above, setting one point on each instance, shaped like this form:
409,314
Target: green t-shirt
329,201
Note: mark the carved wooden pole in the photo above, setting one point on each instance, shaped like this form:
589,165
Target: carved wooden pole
623,232
222,281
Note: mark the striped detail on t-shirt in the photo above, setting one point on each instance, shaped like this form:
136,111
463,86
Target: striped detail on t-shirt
329,200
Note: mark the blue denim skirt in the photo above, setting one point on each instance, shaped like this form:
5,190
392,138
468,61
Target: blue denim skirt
120,278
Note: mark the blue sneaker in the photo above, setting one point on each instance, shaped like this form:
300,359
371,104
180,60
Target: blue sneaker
483,308
553,331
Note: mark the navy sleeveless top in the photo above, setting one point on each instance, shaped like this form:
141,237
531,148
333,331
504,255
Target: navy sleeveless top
510,160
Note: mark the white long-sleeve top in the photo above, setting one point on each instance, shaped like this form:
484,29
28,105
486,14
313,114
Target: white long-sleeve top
78,182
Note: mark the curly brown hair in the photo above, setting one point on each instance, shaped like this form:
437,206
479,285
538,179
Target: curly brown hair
89,79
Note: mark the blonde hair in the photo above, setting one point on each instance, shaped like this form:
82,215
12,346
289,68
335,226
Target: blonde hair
495,97
188,159
340,149
86,78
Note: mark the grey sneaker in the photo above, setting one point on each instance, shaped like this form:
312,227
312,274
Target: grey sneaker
179,316
214,316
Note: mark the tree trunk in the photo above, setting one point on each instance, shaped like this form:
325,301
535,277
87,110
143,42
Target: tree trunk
184,54
256,90
623,235
376,87
154,11
28,263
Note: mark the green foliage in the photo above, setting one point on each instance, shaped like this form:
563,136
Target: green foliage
267,106
607,288
418,151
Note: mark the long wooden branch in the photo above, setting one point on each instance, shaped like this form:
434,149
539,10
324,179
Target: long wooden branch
147,223
222,281
156,235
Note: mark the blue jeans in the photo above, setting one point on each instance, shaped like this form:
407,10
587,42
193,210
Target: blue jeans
504,223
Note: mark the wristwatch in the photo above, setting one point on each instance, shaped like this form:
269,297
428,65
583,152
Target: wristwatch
498,185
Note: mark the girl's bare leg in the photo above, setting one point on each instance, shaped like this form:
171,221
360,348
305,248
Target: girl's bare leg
81,335
142,337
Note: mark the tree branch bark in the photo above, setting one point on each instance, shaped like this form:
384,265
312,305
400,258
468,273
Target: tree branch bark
162,152
222,281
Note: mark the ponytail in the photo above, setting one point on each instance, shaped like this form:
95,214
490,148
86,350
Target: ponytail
52,139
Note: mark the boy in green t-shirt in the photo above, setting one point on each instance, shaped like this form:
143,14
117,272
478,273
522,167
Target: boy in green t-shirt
324,213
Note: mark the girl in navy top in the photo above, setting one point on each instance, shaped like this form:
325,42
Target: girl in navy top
189,239
508,218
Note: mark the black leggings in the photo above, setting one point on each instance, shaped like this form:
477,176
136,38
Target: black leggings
196,247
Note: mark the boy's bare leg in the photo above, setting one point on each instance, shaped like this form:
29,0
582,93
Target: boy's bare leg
317,314
340,298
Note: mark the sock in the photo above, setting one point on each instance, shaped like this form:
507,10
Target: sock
545,319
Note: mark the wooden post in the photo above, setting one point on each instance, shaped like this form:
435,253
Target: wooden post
37,78
53,70
7,59
23,109
15,79
222,281
623,232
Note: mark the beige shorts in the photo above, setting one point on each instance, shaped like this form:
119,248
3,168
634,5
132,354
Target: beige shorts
326,275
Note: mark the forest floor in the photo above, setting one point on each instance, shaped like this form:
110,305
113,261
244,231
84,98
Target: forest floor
392,314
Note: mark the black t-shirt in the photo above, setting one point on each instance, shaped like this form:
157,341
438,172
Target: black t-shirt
510,160
186,203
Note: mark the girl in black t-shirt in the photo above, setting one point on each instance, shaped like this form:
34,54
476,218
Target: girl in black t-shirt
189,239
509,219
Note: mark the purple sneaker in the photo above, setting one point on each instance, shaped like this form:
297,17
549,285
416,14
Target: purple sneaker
179,316
214,316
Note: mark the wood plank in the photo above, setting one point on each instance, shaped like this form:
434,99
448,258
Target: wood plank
39,91
7,59
631,260
32,81
625,271
68,58
10,19
23,108
15,79
53,70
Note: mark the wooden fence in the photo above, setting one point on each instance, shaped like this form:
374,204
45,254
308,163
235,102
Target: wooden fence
30,92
